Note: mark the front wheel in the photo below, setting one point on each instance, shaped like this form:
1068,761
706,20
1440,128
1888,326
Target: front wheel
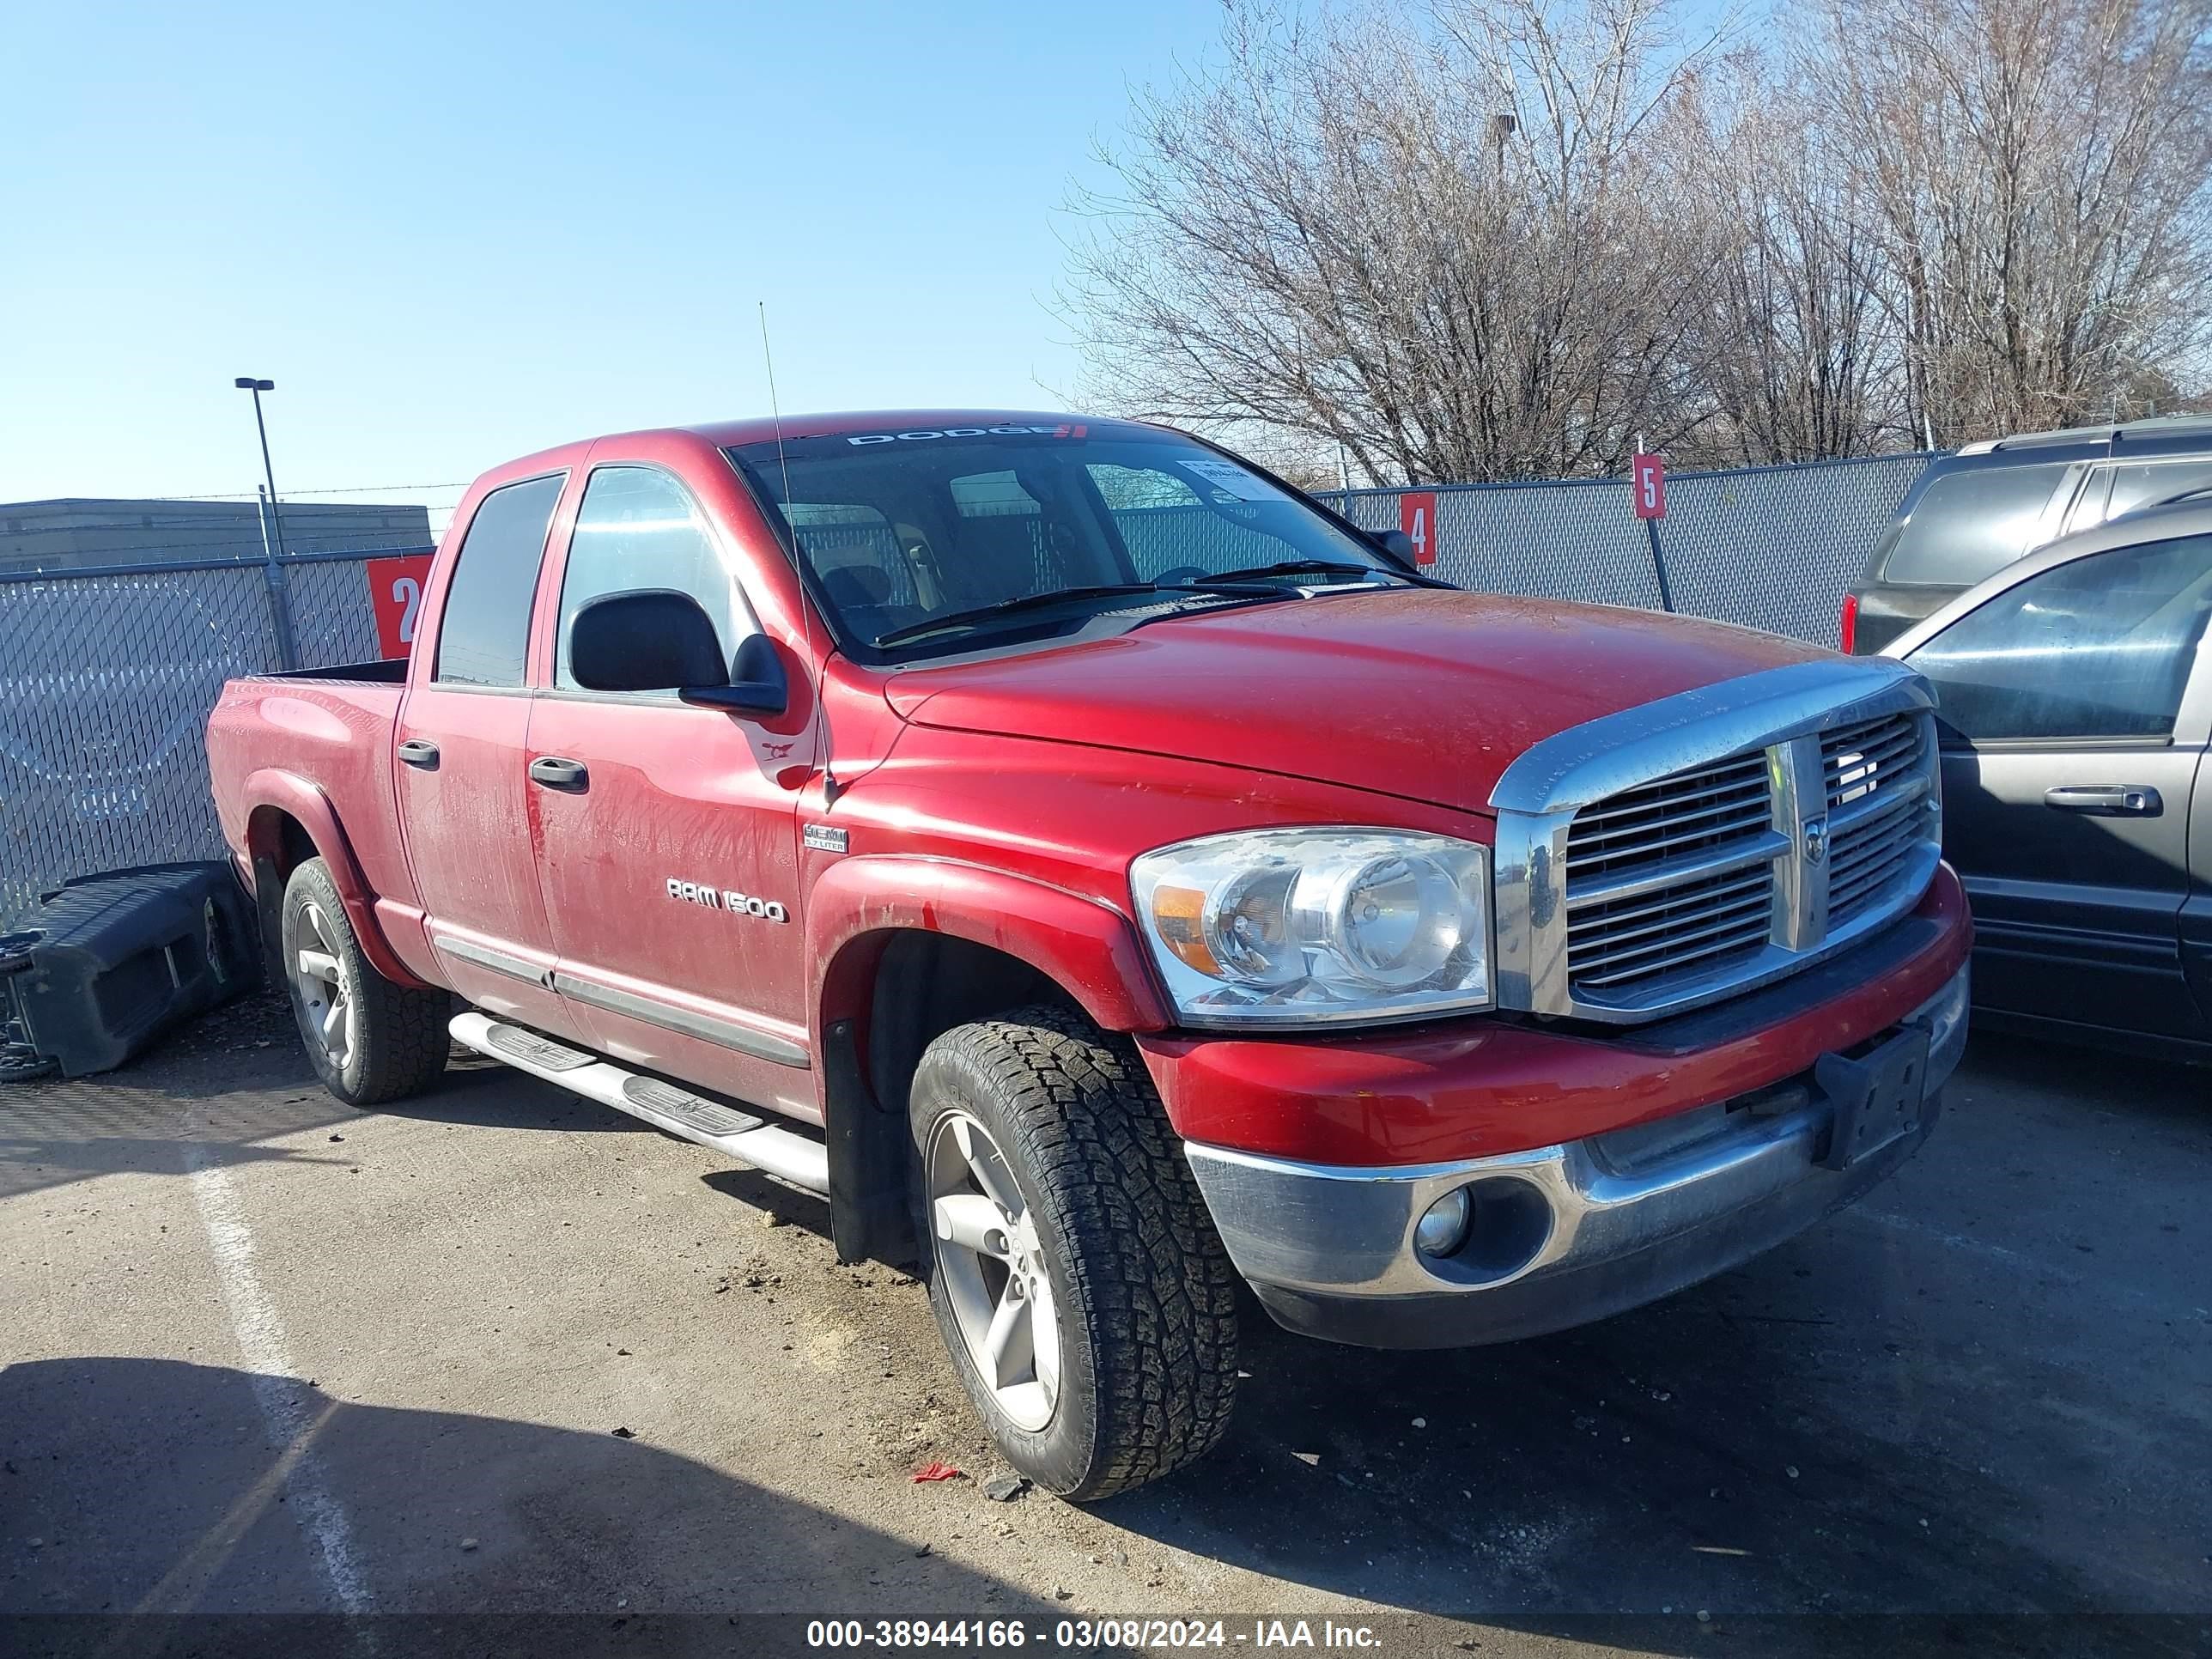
1088,1305
370,1040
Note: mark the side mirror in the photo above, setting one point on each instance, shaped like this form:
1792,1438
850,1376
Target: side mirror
1397,544
657,640
757,684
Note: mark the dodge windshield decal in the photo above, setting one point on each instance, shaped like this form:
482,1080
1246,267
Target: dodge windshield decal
1065,430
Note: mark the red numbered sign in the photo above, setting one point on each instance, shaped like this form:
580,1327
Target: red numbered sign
1416,516
1648,487
395,593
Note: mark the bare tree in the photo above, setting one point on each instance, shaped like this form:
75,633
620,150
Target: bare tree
1801,365
2035,173
1453,251
1503,239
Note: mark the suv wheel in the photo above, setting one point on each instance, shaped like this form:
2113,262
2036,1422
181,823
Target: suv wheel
1088,1305
369,1040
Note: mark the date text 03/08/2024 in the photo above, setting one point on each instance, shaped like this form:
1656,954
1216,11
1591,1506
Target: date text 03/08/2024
1088,1633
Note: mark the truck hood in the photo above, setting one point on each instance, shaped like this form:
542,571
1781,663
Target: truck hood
1422,694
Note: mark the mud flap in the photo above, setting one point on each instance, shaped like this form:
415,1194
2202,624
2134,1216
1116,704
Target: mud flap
868,1169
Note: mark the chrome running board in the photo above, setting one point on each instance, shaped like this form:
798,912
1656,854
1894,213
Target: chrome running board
728,1129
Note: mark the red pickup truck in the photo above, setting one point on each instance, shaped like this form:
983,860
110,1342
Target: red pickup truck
1106,873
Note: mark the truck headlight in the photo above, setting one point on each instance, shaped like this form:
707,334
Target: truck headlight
1297,927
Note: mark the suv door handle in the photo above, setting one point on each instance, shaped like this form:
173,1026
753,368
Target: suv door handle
2106,801
420,751
554,772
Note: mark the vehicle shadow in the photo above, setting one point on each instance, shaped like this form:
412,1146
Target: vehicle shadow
1854,1424
221,1090
1792,1438
1930,1415
163,1492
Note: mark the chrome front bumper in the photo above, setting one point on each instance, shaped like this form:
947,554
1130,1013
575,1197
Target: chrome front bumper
1561,1235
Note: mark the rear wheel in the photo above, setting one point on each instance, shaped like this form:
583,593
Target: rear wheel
370,1040
1089,1307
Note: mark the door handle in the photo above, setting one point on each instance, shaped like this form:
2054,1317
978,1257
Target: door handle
2106,801
554,772
420,751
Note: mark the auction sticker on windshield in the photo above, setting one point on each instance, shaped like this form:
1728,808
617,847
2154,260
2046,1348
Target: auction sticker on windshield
1227,475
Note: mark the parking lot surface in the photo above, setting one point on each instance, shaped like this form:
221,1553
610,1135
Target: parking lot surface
499,1350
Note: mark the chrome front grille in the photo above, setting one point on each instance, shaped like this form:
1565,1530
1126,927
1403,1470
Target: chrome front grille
1679,817
1672,877
1866,756
1876,775
1695,927
1675,854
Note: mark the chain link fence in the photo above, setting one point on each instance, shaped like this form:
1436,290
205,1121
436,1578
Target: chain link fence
106,676
1768,547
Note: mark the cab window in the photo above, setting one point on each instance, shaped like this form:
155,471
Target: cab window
638,528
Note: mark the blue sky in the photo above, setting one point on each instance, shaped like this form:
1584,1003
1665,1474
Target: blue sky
453,233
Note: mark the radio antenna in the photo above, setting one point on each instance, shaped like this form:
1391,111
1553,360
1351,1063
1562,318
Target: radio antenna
830,787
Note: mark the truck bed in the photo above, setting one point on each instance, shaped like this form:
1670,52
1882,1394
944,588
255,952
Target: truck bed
387,670
332,730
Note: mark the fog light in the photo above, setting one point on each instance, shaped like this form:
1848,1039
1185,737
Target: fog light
1442,1227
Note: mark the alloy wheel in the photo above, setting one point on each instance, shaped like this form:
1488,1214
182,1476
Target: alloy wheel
325,993
994,1270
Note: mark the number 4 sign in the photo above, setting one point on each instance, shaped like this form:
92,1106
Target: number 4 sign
1416,516
395,593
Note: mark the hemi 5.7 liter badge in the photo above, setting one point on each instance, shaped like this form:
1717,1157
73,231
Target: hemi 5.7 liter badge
824,839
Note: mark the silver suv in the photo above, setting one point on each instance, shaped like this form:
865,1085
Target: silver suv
1973,513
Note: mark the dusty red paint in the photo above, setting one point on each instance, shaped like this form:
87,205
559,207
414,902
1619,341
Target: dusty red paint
1000,801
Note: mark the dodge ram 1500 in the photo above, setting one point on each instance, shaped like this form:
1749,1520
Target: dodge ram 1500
1104,872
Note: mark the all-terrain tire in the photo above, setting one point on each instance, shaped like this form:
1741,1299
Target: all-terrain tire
1146,1297
397,1040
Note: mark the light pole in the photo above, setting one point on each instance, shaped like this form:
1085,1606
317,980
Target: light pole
272,573
247,383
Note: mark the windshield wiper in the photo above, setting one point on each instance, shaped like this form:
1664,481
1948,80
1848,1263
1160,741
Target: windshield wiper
1300,567
983,613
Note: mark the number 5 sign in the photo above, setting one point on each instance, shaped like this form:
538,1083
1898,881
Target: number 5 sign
1416,516
1648,486
395,593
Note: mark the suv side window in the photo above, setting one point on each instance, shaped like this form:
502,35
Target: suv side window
2099,646
637,527
1971,525
483,634
2140,484
2088,507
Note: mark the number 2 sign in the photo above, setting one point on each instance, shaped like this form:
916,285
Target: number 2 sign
395,593
1416,516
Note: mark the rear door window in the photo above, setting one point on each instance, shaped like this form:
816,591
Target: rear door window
2098,647
1972,524
484,635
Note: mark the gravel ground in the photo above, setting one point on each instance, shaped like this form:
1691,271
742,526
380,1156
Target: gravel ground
500,1352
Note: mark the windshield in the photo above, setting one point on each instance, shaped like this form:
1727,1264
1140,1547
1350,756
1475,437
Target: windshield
900,530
